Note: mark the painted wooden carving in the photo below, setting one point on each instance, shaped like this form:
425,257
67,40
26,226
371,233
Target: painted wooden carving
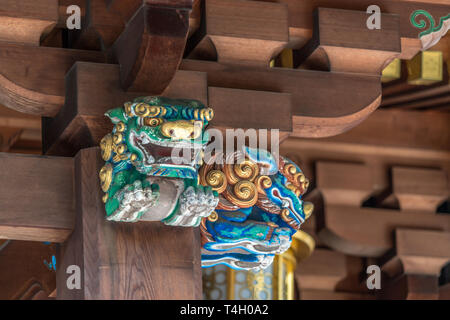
141,179
248,203
434,33
260,209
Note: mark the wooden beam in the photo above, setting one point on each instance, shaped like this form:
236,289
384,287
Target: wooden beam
401,130
370,232
93,89
150,48
342,42
414,93
432,103
250,109
240,31
26,21
313,114
32,78
125,261
36,198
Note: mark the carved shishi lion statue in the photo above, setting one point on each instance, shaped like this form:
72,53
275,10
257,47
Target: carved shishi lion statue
248,204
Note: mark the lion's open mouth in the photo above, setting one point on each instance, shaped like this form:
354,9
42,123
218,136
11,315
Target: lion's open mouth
166,153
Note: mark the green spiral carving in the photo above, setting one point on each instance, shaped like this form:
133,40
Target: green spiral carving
421,24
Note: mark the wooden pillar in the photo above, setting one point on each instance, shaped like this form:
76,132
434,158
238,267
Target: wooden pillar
120,260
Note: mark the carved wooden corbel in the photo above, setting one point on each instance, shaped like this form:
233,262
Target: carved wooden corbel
150,48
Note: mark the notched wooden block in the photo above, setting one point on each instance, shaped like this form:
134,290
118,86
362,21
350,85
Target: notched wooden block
342,42
150,48
240,31
344,183
419,189
422,251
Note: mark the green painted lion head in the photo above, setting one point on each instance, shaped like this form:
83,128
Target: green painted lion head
151,132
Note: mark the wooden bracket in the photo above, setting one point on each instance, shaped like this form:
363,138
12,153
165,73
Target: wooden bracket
342,42
344,183
323,103
150,48
240,31
419,189
416,266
